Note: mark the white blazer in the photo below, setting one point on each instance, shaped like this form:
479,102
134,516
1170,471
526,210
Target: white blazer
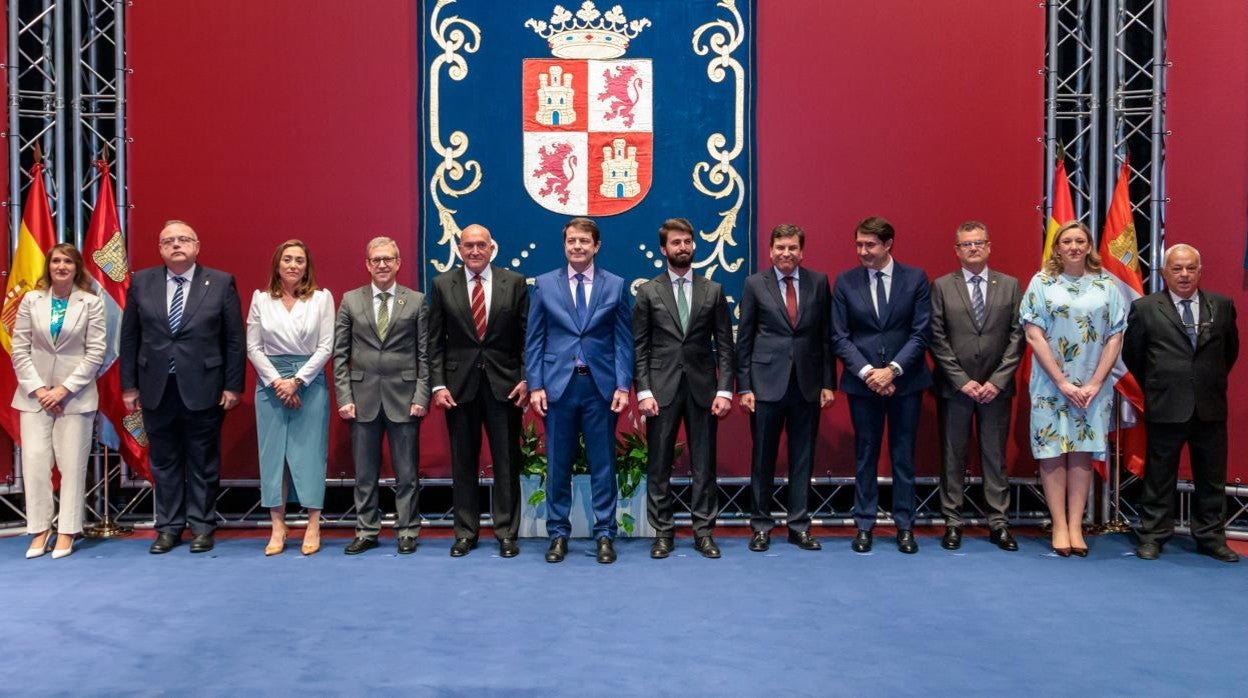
72,361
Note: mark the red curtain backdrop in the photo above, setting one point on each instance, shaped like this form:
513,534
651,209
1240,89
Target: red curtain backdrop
6,444
1207,165
262,121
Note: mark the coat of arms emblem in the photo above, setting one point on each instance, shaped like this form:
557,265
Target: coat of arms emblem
588,114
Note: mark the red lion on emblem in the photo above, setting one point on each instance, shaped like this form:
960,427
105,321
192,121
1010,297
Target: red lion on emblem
624,90
558,167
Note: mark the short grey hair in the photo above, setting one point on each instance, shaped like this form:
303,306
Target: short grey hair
1181,247
378,242
968,227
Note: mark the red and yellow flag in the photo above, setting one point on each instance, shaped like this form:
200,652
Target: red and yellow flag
104,251
1063,210
34,237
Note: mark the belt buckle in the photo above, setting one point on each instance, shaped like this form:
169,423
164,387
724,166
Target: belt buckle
582,370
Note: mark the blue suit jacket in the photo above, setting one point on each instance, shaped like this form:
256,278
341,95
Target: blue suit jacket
555,337
860,338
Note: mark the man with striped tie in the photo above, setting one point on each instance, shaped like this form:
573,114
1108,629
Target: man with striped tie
182,356
477,316
977,342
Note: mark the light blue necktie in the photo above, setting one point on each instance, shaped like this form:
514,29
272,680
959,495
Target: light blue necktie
175,315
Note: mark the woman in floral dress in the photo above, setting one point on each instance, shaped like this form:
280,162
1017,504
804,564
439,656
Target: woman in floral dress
1074,317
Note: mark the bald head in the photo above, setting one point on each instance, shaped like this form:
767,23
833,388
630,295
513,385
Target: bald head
476,248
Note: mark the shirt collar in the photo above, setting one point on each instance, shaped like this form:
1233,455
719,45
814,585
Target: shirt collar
967,274
687,276
797,274
485,274
188,274
888,268
1176,299
393,289
589,273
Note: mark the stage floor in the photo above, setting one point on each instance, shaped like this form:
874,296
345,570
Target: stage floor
112,619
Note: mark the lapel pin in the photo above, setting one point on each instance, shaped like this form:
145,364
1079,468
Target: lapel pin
400,301
207,281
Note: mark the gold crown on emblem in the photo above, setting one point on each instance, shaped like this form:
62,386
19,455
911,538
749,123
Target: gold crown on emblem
588,34
111,258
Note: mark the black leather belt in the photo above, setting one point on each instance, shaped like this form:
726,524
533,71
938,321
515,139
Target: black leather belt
582,370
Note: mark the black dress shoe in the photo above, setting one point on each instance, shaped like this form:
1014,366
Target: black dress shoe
558,550
359,545
706,546
606,550
760,542
1148,551
906,542
202,543
407,545
462,546
953,538
661,547
804,540
862,542
507,547
164,543
1221,553
1001,538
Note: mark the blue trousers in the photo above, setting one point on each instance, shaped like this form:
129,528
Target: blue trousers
580,411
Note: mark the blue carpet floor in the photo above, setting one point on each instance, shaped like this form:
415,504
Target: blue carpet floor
112,619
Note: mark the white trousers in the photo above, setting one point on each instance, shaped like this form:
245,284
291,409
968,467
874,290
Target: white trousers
66,440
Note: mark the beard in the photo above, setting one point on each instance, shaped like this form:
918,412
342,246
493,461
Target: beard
680,261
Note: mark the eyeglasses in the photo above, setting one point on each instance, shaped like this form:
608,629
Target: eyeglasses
379,261
969,244
181,240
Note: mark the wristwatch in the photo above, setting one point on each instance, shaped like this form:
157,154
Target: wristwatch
299,381
896,371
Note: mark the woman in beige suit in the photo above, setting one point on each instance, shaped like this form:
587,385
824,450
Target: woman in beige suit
58,346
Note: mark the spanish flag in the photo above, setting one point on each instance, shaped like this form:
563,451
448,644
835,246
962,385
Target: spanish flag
1063,210
34,237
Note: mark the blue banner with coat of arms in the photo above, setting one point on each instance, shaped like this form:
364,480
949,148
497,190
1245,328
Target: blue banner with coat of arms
628,112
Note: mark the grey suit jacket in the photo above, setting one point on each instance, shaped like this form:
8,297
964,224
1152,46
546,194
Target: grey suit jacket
662,353
376,374
964,352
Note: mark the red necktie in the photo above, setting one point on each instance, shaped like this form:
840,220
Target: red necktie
790,300
478,306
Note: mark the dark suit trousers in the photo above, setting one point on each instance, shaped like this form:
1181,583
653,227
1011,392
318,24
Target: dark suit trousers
185,458
869,415
1206,444
580,411
992,422
661,432
501,421
404,438
801,419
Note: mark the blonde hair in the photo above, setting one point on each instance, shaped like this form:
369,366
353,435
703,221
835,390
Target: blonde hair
1053,263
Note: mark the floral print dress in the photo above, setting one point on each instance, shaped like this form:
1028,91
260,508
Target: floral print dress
1078,315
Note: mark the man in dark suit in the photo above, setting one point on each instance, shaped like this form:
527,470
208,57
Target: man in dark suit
682,339
1180,344
578,358
477,316
881,317
786,373
381,378
977,342
182,355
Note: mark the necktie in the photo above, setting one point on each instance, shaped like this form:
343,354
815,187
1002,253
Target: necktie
977,300
383,314
790,300
478,305
682,305
1189,322
581,306
881,295
175,315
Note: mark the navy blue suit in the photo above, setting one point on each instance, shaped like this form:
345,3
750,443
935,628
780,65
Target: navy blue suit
579,403
860,338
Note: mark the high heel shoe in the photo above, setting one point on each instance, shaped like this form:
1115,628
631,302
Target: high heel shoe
59,552
276,545
1062,552
1078,552
311,544
37,547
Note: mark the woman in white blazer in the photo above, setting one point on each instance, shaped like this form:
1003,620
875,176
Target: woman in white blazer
58,347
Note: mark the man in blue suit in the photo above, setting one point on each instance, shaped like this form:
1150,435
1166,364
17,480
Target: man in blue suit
881,317
579,362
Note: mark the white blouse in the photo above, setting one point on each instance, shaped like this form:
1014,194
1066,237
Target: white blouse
306,329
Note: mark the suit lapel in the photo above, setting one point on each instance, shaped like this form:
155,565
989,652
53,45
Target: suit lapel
1171,313
668,296
990,294
73,313
461,296
959,285
772,282
565,292
43,316
1204,330
893,287
595,295
864,275
498,294
805,293
700,286
367,297
196,289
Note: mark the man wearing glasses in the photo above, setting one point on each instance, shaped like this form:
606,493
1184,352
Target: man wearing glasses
381,377
182,355
977,342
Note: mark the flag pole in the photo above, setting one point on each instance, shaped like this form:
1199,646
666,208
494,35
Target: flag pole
107,527
1114,520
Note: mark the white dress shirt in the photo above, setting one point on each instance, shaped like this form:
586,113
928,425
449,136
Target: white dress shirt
171,287
589,283
307,329
486,278
797,283
970,287
1178,307
377,300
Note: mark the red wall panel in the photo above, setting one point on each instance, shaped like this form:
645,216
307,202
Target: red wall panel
1207,163
262,121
